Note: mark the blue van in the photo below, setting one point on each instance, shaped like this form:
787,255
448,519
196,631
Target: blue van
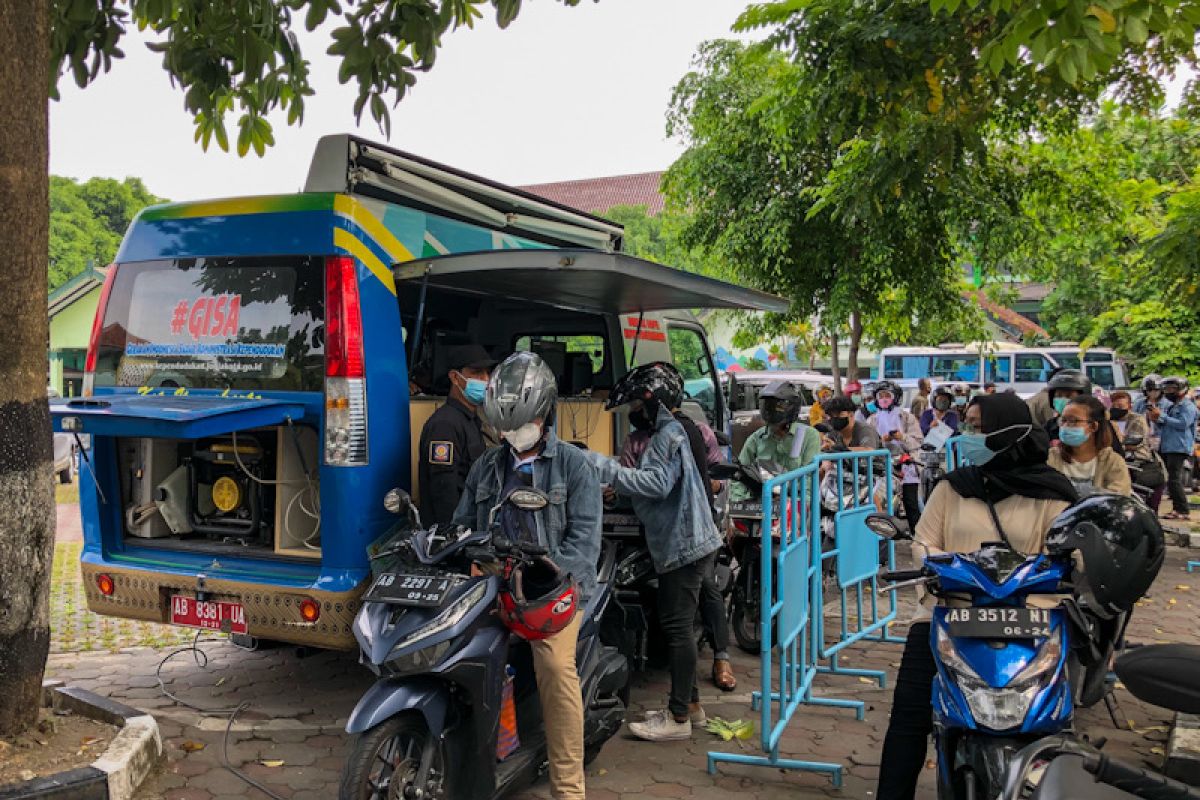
260,369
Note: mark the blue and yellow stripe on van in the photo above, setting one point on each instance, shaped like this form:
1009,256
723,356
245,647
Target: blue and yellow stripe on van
377,233
297,224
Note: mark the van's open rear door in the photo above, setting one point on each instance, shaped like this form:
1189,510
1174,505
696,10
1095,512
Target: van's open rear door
169,417
583,280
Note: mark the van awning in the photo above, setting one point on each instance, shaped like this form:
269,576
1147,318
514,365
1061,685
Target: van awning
168,416
583,280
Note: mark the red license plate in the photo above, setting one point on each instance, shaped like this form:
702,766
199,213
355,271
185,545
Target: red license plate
214,616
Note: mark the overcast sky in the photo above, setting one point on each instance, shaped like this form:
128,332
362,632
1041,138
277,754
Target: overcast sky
563,93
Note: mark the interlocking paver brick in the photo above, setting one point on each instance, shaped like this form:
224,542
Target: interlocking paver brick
299,706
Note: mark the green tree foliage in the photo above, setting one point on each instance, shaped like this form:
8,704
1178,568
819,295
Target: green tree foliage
862,232
242,59
88,220
1116,235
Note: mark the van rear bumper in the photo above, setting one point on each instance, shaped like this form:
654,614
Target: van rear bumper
271,612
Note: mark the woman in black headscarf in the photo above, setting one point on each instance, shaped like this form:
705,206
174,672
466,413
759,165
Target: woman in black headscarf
1008,494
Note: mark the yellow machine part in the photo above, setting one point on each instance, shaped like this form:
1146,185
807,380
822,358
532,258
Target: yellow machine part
226,494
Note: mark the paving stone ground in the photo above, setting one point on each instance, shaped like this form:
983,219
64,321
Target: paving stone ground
298,707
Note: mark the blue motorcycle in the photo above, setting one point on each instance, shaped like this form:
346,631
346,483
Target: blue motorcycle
1009,670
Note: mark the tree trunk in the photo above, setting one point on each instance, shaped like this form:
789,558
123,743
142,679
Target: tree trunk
27,510
835,363
855,340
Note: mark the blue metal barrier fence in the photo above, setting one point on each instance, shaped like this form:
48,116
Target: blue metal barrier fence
792,587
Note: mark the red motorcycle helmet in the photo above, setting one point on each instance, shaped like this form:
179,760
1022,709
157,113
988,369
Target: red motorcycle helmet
538,599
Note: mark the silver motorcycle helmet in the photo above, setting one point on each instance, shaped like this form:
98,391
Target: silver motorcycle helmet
521,391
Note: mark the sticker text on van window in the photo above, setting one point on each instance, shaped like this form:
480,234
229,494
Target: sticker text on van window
182,391
207,316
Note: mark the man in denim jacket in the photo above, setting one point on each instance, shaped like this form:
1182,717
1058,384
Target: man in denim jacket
520,403
667,492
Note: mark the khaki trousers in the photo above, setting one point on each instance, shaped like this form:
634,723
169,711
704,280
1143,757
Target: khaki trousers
562,710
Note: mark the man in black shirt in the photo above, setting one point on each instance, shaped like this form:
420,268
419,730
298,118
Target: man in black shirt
452,438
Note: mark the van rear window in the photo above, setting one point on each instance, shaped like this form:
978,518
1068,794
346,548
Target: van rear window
215,323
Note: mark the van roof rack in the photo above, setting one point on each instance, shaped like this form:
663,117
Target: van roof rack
349,164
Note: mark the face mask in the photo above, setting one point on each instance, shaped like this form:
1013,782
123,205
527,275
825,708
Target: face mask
960,401
857,398
872,407
641,420
1172,396
839,423
475,391
523,438
942,404
884,402
1118,413
1060,404
973,446
1073,437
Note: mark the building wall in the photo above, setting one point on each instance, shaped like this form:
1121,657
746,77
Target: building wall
70,330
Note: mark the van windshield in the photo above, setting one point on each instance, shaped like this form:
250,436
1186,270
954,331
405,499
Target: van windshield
215,323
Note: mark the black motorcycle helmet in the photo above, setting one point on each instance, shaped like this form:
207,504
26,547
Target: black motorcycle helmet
1174,384
1122,547
657,382
779,403
1070,380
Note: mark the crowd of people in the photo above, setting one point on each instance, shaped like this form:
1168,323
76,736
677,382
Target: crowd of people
1028,461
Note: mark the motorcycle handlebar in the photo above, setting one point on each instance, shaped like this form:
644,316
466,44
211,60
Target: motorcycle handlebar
1139,782
903,575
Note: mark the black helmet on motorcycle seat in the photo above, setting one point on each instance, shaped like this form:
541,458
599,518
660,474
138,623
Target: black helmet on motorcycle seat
1151,382
779,403
1121,543
657,381
1070,380
538,599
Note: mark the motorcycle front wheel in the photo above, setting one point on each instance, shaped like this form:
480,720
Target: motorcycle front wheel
385,762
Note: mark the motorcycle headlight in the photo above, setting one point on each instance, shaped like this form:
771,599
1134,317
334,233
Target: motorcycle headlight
1004,708
451,616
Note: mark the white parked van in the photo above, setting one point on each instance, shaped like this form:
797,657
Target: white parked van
1023,369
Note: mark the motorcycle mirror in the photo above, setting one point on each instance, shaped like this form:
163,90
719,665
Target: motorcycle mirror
397,501
885,526
528,499
1133,441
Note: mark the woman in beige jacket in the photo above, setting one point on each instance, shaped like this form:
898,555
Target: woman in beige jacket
1011,477
1085,453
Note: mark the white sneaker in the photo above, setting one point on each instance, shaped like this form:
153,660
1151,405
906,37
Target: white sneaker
660,726
697,716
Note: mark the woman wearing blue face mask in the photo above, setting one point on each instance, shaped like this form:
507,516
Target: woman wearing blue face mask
1084,453
1009,475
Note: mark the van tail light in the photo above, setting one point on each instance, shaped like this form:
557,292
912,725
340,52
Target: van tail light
89,365
310,610
345,371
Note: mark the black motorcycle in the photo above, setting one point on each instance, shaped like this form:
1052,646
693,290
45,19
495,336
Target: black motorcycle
428,728
1066,768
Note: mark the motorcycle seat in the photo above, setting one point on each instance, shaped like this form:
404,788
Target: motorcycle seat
1066,779
1166,675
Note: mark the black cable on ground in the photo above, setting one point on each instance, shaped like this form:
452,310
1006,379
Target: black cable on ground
201,659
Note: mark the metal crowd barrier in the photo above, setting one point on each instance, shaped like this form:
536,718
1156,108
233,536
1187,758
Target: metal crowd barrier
793,630
852,561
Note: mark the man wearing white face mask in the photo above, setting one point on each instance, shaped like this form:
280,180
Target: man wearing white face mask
520,403
452,438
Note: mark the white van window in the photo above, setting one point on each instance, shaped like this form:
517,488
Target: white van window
1032,368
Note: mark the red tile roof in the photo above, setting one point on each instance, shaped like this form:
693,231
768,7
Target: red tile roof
597,195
